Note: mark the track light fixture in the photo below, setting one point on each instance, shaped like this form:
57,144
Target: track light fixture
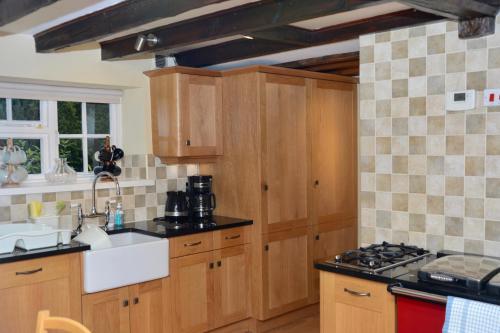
150,39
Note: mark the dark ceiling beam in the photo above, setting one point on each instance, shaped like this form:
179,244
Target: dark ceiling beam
286,33
244,19
455,9
111,20
225,52
476,18
318,61
12,10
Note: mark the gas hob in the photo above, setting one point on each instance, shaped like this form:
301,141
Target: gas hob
377,258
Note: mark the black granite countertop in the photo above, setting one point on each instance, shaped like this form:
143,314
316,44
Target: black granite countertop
407,277
19,254
152,228
164,230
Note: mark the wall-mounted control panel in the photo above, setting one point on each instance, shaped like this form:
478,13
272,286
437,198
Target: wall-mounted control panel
461,100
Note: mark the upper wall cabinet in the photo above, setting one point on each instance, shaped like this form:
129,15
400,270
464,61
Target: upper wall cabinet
186,113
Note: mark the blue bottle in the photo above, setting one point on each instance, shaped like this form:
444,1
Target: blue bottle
119,215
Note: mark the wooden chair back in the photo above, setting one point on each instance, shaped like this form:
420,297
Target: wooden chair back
46,322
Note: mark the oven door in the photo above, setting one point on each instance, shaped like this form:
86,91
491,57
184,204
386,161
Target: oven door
419,312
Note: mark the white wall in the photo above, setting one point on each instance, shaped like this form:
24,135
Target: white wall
19,60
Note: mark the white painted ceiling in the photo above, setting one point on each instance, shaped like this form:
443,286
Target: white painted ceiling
66,10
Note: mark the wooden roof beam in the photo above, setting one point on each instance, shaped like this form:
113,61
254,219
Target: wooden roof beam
122,16
12,10
243,20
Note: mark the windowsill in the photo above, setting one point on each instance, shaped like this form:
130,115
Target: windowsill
80,185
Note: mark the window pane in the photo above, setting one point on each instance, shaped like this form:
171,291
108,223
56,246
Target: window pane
33,153
93,146
3,109
25,109
69,118
72,150
97,118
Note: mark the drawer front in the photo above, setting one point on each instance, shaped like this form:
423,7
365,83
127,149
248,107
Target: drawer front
191,244
360,293
231,237
35,271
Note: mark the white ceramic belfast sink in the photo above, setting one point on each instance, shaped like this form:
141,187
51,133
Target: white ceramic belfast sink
132,258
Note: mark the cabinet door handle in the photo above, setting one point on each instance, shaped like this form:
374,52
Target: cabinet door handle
136,300
188,142
125,303
192,244
219,263
266,247
266,187
317,237
316,183
357,293
232,237
211,265
30,272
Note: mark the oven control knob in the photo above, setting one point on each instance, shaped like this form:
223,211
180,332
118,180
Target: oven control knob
371,263
338,258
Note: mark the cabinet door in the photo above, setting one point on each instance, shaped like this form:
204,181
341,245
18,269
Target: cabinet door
29,286
146,307
192,291
201,115
107,311
351,305
286,271
334,151
232,285
285,152
329,240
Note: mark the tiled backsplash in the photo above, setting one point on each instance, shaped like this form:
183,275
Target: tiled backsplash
139,203
429,177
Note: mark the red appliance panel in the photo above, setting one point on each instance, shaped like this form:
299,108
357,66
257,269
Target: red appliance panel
415,316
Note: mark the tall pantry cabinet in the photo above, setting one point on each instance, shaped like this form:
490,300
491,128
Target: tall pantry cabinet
289,164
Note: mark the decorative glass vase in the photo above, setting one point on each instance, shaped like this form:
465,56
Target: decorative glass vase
61,173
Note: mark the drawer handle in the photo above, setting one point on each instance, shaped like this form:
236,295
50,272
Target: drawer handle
357,293
136,300
192,244
30,272
232,237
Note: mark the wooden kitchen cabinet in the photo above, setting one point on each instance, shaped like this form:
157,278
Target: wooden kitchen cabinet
147,309
285,166
137,308
334,154
107,311
26,287
231,285
186,113
352,305
192,293
286,271
329,240
289,164
209,290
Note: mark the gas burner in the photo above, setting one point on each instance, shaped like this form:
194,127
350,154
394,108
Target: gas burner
379,257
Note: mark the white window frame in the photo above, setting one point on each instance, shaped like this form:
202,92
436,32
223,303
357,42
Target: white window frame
46,129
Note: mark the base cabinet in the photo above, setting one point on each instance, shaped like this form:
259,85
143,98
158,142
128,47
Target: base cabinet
209,290
344,300
286,271
134,309
26,287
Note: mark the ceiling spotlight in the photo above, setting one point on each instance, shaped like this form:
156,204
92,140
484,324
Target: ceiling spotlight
150,39
247,37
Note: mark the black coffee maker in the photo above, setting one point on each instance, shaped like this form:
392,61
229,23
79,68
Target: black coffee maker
201,199
176,207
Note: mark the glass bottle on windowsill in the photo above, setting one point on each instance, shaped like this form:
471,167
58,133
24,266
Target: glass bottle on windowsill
61,173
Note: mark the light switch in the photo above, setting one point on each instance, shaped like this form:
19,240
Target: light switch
491,97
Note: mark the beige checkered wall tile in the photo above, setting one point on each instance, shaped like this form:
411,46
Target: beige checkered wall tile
429,177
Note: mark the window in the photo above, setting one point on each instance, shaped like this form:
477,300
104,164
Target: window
50,128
